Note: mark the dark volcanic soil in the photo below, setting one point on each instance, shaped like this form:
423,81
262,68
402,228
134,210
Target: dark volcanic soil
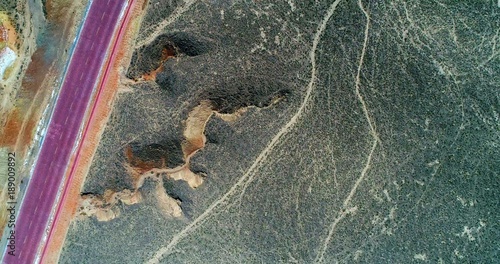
383,148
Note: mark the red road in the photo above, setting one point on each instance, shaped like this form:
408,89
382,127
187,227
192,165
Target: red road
101,87
62,133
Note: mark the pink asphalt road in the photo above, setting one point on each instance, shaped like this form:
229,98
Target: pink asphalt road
62,134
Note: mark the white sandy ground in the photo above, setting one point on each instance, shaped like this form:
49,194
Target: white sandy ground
7,58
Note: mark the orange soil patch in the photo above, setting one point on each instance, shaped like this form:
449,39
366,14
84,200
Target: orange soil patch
3,34
166,54
10,129
15,132
69,205
140,165
8,33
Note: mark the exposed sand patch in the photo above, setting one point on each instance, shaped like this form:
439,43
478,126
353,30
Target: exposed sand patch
168,205
193,180
234,116
104,207
194,132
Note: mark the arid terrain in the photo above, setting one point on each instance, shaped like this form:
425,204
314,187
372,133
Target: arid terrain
39,35
264,131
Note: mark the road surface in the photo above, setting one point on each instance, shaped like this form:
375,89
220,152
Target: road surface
62,133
